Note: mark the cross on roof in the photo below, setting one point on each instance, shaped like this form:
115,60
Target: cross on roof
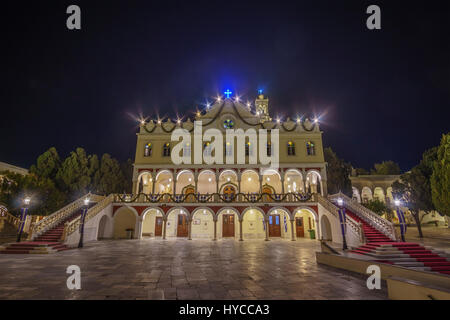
228,93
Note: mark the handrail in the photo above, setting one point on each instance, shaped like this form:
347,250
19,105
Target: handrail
384,226
353,225
70,227
15,221
213,197
52,220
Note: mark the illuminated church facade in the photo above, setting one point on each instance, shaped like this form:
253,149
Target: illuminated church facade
241,201
242,198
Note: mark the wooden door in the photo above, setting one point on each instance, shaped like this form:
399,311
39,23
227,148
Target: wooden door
228,225
274,225
182,227
299,227
158,226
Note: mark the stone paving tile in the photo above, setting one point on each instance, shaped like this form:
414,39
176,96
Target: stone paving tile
182,269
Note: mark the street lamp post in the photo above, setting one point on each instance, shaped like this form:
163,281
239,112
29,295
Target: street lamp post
23,217
83,217
401,219
343,220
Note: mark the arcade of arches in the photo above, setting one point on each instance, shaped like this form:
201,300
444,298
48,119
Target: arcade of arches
228,222
209,181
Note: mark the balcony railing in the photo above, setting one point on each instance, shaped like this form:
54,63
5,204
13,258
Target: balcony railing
213,198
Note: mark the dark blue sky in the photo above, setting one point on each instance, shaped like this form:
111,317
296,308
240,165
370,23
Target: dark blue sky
384,95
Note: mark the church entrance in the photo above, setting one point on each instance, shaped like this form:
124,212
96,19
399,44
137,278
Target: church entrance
228,225
300,229
182,227
274,225
158,226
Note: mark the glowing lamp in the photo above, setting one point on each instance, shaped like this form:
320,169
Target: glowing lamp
397,202
340,202
27,201
86,201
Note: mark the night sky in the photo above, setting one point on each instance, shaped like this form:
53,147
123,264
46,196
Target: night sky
382,95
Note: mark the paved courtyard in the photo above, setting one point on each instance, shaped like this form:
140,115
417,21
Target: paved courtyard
183,269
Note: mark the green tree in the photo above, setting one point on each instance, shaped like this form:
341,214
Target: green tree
377,206
77,172
109,178
361,171
385,168
47,164
414,187
440,179
46,198
338,173
127,170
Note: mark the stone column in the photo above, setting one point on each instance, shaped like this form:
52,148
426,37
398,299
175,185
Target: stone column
174,177
215,229
217,182
293,238
164,227
190,229
260,182
196,181
139,228
153,183
267,229
241,238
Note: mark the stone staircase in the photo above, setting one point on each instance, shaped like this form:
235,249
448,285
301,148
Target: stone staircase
48,242
404,254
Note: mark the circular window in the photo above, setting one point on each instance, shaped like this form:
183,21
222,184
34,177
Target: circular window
228,124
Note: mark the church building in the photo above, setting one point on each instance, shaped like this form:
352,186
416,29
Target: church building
244,201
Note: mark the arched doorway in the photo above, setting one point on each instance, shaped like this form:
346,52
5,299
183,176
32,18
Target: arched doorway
124,223
202,224
103,227
228,223
253,224
325,226
152,225
279,225
177,223
305,224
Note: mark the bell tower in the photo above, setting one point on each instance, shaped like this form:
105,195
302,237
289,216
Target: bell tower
262,107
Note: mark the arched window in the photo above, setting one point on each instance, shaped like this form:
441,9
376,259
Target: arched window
269,149
148,150
166,150
228,149
291,148
248,149
187,149
207,149
310,148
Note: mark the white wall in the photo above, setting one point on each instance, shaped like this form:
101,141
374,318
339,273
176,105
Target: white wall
91,228
351,237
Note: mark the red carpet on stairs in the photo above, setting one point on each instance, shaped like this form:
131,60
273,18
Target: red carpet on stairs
377,240
45,243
